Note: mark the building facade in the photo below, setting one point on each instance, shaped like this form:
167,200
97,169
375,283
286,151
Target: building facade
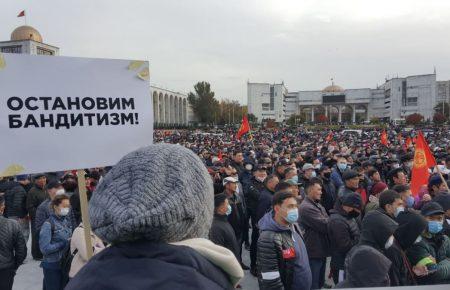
169,108
395,99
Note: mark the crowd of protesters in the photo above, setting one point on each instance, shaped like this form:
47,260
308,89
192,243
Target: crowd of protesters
307,205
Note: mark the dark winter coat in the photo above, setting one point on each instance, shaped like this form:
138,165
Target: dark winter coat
264,204
15,199
365,267
35,197
282,258
146,265
237,218
329,194
13,249
344,234
252,193
222,234
314,220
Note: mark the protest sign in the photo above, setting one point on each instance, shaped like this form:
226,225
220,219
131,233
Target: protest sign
61,113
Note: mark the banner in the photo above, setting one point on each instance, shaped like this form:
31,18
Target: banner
59,113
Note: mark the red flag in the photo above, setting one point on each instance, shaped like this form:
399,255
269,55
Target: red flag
423,160
21,14
329,137
220,155
245,127
431,162
384,138
408,142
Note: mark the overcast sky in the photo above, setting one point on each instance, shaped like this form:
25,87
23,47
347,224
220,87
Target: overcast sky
227,42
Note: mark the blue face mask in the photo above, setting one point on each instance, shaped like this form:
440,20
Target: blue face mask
410,202
342,166
292,216
228,210
434,227
295,178
398,210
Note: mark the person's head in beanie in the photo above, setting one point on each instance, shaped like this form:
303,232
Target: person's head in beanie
352,204
149,196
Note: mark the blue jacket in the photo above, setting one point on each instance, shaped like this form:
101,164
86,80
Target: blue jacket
147,265
264,204
54,238
44,211
336,177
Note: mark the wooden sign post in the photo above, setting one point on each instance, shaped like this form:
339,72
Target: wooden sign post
85,212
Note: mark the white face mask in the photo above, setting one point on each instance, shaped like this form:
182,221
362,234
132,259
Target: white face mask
64,211
389,242
60,191
418,240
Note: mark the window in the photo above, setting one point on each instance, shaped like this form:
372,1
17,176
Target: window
12,49
265,106
44,51
272,98
404,93
411,101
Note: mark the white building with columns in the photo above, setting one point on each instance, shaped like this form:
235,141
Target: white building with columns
170,107
395,99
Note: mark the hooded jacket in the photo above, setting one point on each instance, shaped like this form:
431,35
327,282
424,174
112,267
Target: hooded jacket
344,234
188,265
377,227
281,257
365,267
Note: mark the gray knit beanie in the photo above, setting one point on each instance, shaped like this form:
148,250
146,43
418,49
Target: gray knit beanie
161,193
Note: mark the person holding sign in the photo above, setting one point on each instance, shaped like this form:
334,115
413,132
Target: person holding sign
155,208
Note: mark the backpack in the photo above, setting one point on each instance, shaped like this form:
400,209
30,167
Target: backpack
66,259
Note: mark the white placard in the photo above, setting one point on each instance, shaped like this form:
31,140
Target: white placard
61,113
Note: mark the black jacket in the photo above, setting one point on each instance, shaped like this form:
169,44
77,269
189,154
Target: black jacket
35,197
146,265
344,234
314,220
365,267
237,218
252,193
222,234
264,203
15,199
282,258
13,249
329,194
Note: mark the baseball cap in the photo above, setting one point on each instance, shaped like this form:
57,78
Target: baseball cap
229,179
432,208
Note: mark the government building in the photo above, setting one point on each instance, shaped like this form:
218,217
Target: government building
169,107
394,100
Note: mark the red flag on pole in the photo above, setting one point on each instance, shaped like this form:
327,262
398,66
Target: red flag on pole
423,160
21,14
384,138
245,127
408,142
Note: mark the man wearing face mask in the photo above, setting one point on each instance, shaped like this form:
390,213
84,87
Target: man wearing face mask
338,170
433,250
406,195
54,188
237,217
444,201
329,194
221,232
282,256
252,198
343,232
314,219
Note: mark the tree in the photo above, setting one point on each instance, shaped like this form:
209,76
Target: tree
203,102
414,119
375,121
439,118
443,108
294,120
321,119
252,118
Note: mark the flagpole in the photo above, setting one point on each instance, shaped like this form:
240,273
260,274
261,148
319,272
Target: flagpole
442,177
